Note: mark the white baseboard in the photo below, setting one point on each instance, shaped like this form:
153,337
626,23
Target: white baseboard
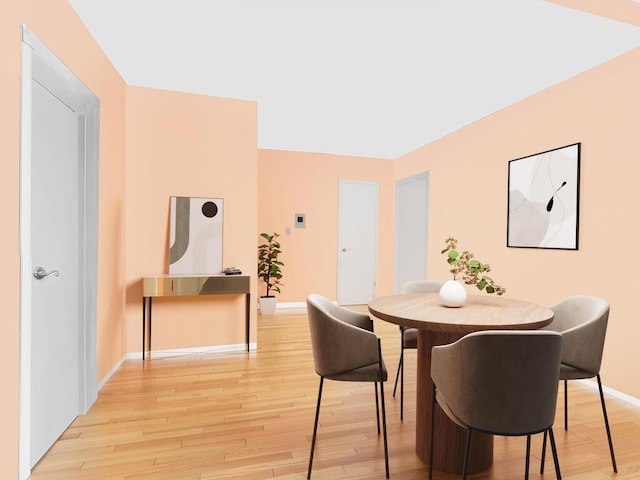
115,368
614,393
176,352
290,305
280,306
239,347
285,305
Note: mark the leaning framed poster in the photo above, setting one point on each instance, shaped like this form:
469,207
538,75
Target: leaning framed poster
544,199
195,235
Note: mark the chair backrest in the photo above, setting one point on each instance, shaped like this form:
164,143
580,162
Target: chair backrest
421,286
582,321
503,382
341,339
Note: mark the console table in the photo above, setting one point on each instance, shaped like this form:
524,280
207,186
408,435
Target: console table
191,285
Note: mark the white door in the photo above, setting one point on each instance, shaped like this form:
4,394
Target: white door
412,208
58,367
357,240
55,387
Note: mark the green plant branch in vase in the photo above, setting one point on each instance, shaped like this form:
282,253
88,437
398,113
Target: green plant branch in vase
471,271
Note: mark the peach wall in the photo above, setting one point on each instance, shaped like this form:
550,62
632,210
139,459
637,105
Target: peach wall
295,182
57,25
598,108
181,144
9,240
627,11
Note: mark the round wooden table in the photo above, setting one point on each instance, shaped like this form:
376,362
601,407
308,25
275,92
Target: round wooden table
438,325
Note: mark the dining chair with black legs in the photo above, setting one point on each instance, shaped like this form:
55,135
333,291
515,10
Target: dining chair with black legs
500,382
409,336
582,321
346,349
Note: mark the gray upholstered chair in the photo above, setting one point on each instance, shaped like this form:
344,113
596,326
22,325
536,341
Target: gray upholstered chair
582,322
409,336
500,382
345,348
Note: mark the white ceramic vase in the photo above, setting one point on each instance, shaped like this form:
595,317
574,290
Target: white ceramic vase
267,305
453,294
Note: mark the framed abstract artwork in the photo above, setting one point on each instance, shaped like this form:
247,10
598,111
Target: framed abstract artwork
195,235
544,197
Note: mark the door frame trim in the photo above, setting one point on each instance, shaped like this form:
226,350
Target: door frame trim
30,44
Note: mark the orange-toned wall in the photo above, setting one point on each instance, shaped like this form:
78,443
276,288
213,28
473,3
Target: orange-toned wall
181,144
295,182
57,25
622,10
599,108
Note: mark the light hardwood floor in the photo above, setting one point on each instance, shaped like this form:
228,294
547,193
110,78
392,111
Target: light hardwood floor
250,416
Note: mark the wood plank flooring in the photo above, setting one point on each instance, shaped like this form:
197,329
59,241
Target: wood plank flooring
250,417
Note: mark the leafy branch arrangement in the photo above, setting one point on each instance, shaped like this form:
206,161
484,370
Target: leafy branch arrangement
268,264
471,270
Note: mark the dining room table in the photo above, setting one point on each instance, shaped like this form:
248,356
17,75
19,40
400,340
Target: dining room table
439,325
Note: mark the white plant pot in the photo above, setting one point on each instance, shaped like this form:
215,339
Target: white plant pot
453,294
268,305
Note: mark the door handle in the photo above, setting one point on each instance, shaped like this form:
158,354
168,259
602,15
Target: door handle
39,273
345,249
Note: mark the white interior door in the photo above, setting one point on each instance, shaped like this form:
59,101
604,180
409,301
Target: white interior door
412,226
357,242
55,342
58,249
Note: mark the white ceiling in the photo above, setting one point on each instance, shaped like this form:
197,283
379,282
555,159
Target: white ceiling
374,78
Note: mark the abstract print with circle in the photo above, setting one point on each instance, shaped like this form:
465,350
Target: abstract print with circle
195,236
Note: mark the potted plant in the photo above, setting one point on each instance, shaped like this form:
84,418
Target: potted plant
471,271
269,270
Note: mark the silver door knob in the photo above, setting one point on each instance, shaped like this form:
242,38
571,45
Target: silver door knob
345,249
39,273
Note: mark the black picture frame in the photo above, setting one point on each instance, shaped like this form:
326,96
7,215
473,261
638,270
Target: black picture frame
543,207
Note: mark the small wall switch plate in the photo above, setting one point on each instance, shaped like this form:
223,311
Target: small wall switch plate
287,231
300,220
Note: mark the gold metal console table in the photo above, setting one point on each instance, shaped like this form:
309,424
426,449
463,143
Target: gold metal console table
191,285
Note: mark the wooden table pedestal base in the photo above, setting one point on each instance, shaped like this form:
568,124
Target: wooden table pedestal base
447,456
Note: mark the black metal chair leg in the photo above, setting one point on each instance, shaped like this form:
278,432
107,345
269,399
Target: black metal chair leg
566,407
556,464
375,385
400,375
466,455
315,429
433,411
606,424
384,414
402,388
544,452
526,463
395,385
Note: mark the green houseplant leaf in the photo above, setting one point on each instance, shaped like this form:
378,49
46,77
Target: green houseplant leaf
269,267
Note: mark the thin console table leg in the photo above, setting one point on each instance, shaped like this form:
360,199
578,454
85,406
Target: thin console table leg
144,324
247,312
146,318
150,299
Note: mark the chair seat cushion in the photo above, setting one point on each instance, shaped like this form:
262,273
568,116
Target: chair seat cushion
568,372
370,373
411,338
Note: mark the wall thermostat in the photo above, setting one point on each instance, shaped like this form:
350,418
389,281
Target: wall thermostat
300,220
